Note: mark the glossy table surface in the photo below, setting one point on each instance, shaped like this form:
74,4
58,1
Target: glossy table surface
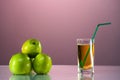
64,72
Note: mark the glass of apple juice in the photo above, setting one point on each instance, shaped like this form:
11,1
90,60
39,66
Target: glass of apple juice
85,56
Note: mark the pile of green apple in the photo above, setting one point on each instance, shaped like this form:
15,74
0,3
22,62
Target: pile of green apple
30,58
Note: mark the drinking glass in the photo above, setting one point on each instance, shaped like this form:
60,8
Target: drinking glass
85,55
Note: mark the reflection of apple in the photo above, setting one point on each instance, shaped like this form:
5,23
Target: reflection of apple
19,77
31,47
20,64
41,77
42,64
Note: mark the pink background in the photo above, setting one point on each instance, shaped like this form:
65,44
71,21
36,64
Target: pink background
57,24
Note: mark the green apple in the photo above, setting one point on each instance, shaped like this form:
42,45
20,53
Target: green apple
31,47
20,64
20,77
42,63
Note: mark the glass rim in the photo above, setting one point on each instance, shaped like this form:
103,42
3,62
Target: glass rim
84,39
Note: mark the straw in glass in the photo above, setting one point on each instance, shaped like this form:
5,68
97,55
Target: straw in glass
82,63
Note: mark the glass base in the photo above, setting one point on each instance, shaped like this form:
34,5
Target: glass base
88,72
85,77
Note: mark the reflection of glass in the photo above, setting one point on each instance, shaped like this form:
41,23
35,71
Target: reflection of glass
85,55
30,77
85,77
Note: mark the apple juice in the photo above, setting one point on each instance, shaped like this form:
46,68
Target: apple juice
82,50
